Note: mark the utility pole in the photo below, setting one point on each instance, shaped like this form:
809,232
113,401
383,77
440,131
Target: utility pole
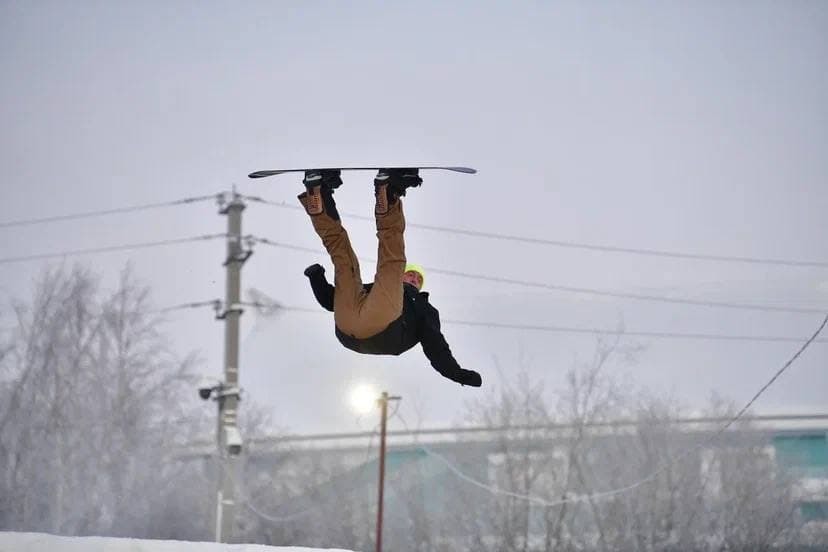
229,438
383,404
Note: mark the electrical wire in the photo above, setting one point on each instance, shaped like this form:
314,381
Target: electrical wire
124,247
607,494
573,289
577,245
604,331
275,307
245,499
283,245
89,214
215,303
625,295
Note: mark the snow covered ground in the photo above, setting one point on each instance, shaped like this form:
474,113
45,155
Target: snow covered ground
40,542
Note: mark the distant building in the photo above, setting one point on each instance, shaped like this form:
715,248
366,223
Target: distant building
805,454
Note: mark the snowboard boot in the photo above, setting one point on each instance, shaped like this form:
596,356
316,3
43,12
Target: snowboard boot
318,197
391,184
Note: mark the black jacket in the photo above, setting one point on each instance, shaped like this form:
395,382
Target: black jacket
418,323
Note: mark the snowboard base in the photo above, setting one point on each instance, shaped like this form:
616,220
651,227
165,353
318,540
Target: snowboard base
274,172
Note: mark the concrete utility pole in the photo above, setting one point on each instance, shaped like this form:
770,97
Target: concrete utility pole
229,438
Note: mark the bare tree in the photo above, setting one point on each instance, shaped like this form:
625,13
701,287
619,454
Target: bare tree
90,409
647,484
515,469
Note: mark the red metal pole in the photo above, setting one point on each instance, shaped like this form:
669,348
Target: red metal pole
383,415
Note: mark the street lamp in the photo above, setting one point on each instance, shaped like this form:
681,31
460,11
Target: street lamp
363,398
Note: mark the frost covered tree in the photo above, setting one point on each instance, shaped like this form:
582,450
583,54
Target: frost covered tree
649,483
92,403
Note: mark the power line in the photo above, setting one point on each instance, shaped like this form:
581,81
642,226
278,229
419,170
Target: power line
659,335
245,499
625,295
607,494
775,376
272,243
628,250
578,290
89,214
579,245
215,303
123,247
275,307
545,427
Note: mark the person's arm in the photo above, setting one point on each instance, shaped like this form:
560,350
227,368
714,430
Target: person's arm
322,290
437,351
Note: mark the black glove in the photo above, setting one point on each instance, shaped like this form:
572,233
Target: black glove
314,271
468,377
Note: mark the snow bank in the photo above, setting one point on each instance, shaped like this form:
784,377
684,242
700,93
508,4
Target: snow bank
40,542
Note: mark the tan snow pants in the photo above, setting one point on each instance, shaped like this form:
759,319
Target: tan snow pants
357,312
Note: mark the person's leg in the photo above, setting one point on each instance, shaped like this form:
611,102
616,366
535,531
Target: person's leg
384,303
348,291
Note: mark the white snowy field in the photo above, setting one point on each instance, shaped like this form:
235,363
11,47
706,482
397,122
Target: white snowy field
41,542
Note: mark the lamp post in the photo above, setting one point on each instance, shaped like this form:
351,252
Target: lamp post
363,399
383,404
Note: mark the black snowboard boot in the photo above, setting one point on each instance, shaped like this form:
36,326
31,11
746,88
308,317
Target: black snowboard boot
326,178
320,186
391,184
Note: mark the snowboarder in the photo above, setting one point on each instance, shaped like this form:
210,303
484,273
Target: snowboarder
390,315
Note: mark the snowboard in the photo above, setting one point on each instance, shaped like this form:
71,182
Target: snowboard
262,174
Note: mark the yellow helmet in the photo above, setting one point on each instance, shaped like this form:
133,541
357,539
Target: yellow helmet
411,267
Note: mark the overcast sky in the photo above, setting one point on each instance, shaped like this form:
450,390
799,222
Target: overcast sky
697,127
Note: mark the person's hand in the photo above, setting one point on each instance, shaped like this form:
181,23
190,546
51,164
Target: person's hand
469,377
314,270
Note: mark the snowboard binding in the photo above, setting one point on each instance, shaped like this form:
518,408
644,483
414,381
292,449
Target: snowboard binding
398,180
391,184
328,179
